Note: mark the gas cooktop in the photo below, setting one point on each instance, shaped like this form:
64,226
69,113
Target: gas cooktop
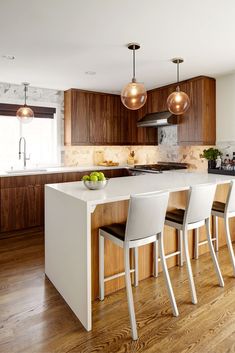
159,167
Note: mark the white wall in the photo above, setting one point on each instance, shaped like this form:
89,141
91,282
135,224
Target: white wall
225,109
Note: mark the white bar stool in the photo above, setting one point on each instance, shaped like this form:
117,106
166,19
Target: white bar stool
226,211
198,243
178,253
145,224
197,214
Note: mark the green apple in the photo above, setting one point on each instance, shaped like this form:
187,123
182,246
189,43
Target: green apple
101,174
102,177
95,173
86,178
94,178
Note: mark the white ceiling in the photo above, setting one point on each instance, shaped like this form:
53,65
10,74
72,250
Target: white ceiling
56,41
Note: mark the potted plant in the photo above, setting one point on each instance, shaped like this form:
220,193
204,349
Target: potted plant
211,154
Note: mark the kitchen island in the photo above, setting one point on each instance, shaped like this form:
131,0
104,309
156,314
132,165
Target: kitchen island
73,215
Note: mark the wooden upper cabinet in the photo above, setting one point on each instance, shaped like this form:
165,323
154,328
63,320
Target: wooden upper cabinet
114,123
76,107
93,118
97,118
198,125
101,119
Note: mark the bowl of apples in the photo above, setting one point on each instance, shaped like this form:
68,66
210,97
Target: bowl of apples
95,181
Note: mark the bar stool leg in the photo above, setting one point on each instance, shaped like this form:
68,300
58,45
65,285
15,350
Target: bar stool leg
167,277
212,251
189,268
129,293
215,220
229,243
196,241
136,265
180,248
155,259
101,267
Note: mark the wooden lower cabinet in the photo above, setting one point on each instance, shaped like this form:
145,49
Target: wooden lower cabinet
22,197
21,207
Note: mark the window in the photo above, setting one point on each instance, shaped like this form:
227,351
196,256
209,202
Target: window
41,138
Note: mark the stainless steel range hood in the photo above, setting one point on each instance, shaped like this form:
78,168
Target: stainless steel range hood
157,120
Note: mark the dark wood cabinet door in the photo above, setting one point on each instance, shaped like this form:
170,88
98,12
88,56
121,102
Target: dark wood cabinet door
209,111
21,208
97,116
159,100
132,118
113,120
76,117
124,124
115,173
80,118
189,123
197,125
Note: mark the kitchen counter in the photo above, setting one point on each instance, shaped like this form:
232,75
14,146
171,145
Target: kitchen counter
54,170
73,216
119,189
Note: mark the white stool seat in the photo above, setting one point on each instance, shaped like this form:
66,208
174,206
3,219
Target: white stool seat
218,206
116,229
175,216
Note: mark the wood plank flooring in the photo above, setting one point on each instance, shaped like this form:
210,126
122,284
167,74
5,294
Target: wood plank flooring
35,319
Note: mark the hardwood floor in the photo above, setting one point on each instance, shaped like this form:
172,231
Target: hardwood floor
34,318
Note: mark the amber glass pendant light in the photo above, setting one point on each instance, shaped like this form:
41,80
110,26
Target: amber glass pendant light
25,114
178,102
134,94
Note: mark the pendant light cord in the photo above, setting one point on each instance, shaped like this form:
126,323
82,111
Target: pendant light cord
25,92
134,79
178,71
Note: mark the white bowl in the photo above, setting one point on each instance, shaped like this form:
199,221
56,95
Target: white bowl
95,185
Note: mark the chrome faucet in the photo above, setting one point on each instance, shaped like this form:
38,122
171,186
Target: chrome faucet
24,152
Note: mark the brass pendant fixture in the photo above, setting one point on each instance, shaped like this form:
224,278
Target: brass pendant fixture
134,94
178,102
25,114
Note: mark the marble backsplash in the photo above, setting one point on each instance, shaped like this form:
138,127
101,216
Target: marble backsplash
84,155
184,154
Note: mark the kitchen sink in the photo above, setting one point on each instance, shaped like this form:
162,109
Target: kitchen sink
25,171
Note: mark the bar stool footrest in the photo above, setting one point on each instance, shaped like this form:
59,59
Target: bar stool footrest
120,274
205,241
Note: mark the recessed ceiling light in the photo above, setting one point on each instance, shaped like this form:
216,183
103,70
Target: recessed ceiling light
8,57
90,73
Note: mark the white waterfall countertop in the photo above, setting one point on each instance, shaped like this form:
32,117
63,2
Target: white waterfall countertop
119,189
